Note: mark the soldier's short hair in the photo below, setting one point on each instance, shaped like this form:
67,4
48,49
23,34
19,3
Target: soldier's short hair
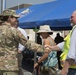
9,12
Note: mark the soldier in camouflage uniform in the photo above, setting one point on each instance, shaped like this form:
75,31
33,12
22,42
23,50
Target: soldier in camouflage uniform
10,37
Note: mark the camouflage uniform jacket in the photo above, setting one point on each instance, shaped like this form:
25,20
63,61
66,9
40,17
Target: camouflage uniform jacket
9,39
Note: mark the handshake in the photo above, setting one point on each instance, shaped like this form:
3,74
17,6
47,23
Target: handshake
47,48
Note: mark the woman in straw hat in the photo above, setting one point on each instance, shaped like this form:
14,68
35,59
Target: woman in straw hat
50,60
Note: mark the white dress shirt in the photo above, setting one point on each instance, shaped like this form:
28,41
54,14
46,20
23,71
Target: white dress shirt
21,47
61,46
72,49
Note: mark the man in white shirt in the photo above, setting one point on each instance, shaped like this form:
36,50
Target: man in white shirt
71,57
20,47
20,56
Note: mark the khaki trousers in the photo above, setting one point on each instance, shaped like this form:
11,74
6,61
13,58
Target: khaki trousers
49,71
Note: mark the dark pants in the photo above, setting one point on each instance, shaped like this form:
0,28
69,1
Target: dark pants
27,65
72,71
58,57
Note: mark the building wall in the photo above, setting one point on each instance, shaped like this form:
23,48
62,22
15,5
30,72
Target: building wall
31,34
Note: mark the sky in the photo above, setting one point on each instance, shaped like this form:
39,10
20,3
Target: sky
11,3
16,2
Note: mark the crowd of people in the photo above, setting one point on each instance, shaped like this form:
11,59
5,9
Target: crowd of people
13,42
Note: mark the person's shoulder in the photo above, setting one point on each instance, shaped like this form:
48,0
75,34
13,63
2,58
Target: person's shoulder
19,28
13,28
74,31
46,41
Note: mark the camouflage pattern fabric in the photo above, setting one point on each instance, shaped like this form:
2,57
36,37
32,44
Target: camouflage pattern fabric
9,39
9,72
9,12
33,46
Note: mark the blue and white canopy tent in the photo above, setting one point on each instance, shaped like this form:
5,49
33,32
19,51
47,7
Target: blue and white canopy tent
56,14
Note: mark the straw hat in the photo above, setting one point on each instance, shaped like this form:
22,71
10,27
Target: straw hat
45,28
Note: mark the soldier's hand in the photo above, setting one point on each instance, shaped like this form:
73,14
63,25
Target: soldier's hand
19,51
47,48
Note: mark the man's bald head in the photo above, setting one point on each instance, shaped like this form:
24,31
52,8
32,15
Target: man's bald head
73,18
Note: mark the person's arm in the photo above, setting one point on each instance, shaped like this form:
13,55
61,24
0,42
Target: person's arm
20,38
58,47
66,66
46,52
46,42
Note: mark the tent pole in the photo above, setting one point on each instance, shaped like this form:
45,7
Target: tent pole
35,54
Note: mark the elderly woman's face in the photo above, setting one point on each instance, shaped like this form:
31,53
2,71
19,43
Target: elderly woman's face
44,34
